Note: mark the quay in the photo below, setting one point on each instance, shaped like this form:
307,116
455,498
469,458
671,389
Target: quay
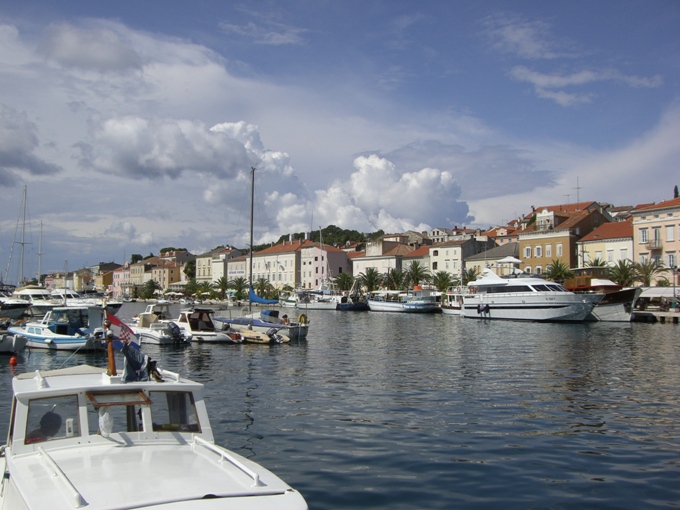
664,317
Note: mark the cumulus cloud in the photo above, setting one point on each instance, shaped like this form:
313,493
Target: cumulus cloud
135,147
19,142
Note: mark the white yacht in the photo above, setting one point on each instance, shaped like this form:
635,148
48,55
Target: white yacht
80,438
416,301
40,299
522,297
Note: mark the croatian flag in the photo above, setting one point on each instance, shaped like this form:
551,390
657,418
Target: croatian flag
123,332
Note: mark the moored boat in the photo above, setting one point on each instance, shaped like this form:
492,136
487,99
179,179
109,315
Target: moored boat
416,301
67,328
39,299
618,302
522,297
80,438
198,322
269,322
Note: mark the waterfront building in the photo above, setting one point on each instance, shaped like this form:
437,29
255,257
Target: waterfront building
551,232
319,264
656,234
610,242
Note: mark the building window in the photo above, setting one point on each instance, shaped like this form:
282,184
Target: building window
624,253
538,252
671,260
434,266
644,236
527,252
559,249
610,255
670,233
435,253
548,250
539,269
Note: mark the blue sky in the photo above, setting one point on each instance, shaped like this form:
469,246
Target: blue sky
133,124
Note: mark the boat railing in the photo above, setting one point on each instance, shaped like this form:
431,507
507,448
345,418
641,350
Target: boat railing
77,498
224,455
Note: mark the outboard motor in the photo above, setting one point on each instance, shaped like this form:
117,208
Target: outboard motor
274,337
175,333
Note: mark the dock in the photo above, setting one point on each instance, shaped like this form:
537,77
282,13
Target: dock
664,317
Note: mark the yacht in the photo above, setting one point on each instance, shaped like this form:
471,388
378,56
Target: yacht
524,297
416,301
39,299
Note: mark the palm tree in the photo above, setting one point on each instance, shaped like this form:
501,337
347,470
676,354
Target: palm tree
469,275
343,281
648,270
394,279
442,280
222,285
191,287
623,273
371,279
263,287
417,274
596,262
205,288
558,271
240,286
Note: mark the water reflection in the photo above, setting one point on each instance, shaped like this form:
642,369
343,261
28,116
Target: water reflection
377,410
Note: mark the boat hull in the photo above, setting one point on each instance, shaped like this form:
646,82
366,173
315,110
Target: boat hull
377,305
568,308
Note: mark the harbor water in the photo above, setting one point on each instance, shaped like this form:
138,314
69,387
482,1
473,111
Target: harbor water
399,411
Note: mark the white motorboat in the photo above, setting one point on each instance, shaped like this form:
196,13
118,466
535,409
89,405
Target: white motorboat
12,308
524,298
67,328
317,300
80,438
68,297
12,344
150,329
39,299
198,322
416,301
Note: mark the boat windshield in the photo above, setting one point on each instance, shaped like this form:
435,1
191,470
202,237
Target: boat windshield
52,418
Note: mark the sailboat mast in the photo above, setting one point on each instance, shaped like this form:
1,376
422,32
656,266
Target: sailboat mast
252,209
23,235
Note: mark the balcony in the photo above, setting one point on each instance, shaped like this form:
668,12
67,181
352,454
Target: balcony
654,244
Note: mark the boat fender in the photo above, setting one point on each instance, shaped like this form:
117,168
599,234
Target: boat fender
302,319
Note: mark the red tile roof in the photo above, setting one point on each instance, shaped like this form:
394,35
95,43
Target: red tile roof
614,230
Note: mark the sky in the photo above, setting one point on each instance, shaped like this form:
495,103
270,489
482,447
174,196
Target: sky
133,126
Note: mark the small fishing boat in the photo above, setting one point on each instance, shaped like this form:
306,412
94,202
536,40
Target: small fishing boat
269,322
67,328
81,438
416,301
198,322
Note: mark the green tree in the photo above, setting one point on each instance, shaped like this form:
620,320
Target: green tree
191,287
205,288
240,287
648,270
135,257
558,271
371,279
596,262
263,288
394,279
343,281
623,273
149,289
442,280
469,275
417,274
222,284
190,269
